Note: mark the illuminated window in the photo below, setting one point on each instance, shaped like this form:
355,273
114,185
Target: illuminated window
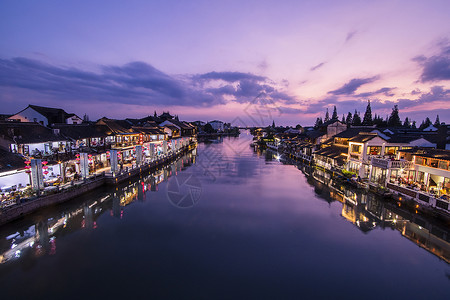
443,165
356,148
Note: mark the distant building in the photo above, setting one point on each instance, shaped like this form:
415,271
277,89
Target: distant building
216,125
430,128
45,116
443,136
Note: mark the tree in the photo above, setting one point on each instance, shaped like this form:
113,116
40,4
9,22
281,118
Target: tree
155,115
407,124
437,123
85,118
425,123
394,118
318,122
378,121
349,119
298,127
273,123
414,125
208,128
356,119
335,115
343,119
367,121
327,116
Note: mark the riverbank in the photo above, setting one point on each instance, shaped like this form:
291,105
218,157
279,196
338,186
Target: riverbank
97,180
416,203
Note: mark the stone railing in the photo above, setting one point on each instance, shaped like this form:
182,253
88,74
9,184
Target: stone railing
421,198
391,164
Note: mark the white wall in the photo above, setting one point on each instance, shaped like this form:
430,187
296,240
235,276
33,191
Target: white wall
28,115
14,179
74,120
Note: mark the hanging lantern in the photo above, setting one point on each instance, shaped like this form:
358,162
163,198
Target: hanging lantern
27,167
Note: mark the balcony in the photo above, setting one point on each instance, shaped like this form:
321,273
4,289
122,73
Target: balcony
391,164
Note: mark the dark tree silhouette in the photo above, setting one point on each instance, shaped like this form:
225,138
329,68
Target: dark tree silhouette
367,121
335,115
425,123
437,123
394,118
208,128
327,116
349,119
318,122
356,119
407,124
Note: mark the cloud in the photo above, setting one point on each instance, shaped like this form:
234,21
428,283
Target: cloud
136,83
289,110
350,35
133,83
351,86
437,67
229,76
318,66
242,87
263,65
386,91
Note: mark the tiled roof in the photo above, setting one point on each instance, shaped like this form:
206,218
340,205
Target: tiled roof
82,131
10,161
27,133
429,152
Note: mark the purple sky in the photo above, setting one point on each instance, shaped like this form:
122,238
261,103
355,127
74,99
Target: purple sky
242,61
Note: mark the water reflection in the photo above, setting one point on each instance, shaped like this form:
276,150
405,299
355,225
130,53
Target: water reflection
261,226
40,239
368,211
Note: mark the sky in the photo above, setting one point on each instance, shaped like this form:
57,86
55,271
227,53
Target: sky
245,62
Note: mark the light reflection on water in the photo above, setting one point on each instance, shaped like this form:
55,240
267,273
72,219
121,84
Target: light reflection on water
260,229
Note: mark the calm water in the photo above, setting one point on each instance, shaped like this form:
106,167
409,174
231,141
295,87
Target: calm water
226,222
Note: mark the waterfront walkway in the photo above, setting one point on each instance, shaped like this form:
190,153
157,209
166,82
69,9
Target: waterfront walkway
57,194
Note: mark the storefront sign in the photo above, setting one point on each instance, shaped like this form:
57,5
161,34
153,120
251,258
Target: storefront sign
84,165
37,178
114,161
139,155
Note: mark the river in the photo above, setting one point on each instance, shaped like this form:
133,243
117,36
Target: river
226,222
